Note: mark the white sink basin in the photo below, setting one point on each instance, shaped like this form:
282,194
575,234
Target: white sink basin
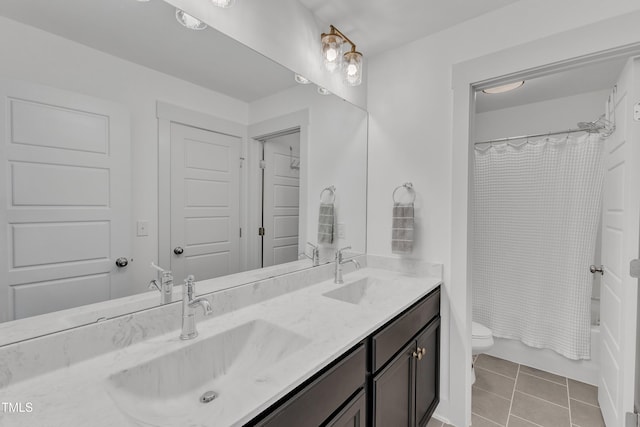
367,290
163,390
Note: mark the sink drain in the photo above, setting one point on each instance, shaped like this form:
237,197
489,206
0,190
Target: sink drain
208,396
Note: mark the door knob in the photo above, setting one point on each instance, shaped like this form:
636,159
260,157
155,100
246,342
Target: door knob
178,250
122,262
593,269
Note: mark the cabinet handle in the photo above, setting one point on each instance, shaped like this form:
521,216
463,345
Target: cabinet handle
419,353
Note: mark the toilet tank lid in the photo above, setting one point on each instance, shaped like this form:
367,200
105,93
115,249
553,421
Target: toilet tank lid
480,331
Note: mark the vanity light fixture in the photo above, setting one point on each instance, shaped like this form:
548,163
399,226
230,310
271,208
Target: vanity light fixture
189,21
503,88
350,62
302,79
223,3
323,91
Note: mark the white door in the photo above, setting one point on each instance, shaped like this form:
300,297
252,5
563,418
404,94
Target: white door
620,240
281,199
205,203
64,204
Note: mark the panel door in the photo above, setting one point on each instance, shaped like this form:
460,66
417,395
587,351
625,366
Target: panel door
427,373
353,415
620,237
64,205
205,203
281,203
393,391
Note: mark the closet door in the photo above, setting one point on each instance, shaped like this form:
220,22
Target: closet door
620,237
65,202
205,203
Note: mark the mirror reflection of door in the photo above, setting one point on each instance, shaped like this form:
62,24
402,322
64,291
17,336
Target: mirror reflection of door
66,212
280,197
205,203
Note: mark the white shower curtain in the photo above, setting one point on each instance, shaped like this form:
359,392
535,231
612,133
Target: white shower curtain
536,210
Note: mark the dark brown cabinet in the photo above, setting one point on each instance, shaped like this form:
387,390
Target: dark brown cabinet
353,415
405,360
392,391
316,402
405,392
391,379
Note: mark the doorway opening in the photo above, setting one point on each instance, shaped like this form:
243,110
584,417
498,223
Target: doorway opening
280,197
558,99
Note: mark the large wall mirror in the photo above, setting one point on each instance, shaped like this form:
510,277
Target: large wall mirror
128,139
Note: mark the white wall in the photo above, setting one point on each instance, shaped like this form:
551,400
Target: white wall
540,117
335,126
36,56
410,139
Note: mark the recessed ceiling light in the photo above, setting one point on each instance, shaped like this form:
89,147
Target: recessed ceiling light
323,91
504,88
189,21
302,79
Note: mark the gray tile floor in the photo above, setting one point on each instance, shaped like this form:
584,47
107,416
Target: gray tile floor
511,395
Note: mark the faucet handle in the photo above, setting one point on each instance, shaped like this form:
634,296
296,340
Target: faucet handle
344,249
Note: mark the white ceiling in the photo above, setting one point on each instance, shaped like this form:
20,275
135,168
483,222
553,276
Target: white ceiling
587,78
379,25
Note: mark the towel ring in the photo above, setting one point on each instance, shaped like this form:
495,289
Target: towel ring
331,189
407,186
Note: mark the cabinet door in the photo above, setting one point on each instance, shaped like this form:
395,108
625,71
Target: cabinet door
393,391
427,373
353,415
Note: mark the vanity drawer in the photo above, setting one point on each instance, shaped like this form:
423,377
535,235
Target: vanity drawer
316,402
392,338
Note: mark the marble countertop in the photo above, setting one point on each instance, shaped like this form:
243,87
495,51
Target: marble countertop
324,328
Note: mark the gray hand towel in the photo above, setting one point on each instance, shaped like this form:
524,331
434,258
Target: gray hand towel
402,228
325,223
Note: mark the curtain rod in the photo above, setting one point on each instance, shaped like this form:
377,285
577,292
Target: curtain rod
511,138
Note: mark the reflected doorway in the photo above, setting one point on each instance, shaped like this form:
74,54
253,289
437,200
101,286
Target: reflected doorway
280,167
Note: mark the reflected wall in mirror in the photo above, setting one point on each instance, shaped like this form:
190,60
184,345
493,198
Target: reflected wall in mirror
128,137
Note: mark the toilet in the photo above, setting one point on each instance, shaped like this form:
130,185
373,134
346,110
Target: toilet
481,341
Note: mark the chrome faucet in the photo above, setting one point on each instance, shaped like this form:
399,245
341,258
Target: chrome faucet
338,276
189,304
166,284
315,254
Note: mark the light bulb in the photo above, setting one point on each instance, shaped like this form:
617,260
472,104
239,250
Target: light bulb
331,51
352,71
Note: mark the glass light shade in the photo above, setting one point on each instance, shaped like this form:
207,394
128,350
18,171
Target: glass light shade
332,51
223,3
302,79
352,68
323,91
189,21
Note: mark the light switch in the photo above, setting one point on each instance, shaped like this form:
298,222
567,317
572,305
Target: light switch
143,227
342,233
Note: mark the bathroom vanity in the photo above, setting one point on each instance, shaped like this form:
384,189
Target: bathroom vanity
392,376
291,348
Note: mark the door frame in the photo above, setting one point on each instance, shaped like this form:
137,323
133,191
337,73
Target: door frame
607,39
264,130
166,114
